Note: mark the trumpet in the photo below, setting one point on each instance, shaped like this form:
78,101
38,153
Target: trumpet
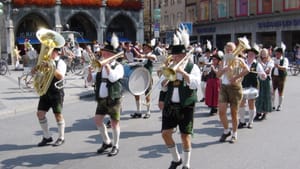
170,71
96,64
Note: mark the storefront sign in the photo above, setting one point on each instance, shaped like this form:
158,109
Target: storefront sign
206,30
280,23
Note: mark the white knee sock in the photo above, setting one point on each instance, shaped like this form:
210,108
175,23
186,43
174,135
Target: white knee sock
186,158
252,114
242,113
203,86
280,100
148,108
104,133
44,126
138,105
174,152
61,129
273,100
116,136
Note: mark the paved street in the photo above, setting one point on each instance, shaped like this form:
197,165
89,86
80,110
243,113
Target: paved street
271,144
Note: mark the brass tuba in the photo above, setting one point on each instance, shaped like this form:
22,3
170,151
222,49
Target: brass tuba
44,74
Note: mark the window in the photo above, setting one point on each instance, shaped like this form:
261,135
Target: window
222,8
291,4
204,10
265,6
242,7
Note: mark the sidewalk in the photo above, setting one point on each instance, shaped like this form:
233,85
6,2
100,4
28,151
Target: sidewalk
13,100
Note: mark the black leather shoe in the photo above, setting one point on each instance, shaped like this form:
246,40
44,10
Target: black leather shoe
242,125
114,151
147,116
175,164
103,148
278,108
58,142
136,115
224,136
45,141
202,100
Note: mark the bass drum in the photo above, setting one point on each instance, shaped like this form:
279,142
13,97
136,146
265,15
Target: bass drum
250,93
136,79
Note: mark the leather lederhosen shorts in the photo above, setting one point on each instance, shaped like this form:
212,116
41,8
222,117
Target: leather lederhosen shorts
175,114
110,107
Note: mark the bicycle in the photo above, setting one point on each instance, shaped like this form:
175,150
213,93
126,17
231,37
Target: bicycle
76,66
26,79
294,68
3,66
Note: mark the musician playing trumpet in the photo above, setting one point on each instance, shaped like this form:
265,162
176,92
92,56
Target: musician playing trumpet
177,102
108,92
232,70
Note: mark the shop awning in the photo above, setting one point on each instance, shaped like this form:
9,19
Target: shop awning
21,40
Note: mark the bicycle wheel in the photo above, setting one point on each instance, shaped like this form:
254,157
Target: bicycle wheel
78,68
25,81
3,67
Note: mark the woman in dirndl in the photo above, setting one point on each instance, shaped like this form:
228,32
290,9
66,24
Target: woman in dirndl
213,85
264,101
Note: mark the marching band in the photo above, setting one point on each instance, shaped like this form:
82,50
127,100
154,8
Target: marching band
237,75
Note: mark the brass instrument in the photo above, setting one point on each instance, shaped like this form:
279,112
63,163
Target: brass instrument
45,67
96,64
236,63
170,71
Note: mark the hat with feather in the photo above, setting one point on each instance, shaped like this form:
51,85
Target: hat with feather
181,41
112,46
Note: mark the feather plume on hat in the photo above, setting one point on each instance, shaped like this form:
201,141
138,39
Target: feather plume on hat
283,46
152,42
114,41
208,45
176,40
185,38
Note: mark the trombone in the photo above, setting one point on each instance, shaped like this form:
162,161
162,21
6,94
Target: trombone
96,64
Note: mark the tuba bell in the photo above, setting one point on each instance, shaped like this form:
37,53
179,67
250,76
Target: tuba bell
44,74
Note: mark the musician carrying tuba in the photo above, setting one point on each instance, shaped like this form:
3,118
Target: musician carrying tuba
49,73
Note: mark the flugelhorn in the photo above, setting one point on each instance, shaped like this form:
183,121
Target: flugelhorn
169,72
44,74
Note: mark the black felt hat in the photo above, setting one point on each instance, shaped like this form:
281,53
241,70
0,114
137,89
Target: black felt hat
109,48
178,49
280,50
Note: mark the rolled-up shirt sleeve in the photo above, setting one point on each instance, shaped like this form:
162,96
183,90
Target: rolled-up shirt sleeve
195,78
116,74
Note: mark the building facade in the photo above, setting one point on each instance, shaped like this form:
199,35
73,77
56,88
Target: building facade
93,20
267,22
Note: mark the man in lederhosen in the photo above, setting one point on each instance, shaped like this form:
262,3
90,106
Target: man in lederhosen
53,98
178,106
108,92
278,74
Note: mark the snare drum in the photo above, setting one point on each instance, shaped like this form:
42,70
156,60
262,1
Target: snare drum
250,93
136,79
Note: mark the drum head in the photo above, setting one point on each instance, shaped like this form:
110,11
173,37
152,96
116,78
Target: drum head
139,81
